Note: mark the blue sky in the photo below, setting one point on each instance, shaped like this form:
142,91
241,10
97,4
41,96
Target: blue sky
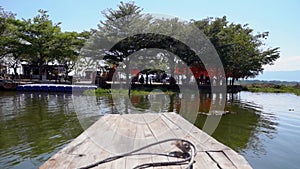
280,18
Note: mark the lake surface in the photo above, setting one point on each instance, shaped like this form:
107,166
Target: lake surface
263,127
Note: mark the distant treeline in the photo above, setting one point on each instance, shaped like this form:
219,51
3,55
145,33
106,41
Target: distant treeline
275,82
271,86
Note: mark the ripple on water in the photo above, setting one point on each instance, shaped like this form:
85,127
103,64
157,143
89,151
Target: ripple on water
34,126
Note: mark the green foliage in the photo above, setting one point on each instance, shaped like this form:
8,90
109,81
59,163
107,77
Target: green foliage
121,23
123,92
67,48
273,88
32,40
122,35
98,92
5,31
39,41
242,52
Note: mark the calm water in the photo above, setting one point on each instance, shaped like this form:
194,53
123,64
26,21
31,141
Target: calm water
265,128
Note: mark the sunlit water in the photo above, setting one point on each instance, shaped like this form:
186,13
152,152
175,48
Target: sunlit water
276,139
265,128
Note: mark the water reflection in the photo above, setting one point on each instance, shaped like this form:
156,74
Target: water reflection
33,126
240,127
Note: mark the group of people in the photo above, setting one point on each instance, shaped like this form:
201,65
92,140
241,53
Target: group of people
203,80
141,80
163,78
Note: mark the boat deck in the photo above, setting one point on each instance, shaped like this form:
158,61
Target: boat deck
116,134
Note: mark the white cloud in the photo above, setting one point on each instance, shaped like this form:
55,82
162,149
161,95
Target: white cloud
285,63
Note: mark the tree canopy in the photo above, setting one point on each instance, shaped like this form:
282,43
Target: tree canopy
242,52
5,33
40,41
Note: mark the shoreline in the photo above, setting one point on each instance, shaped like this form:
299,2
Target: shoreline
272,88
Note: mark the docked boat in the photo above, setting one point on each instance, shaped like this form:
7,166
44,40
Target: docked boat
8,84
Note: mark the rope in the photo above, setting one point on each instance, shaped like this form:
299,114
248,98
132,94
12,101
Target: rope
184,145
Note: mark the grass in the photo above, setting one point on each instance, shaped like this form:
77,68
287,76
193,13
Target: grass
272,88
108,92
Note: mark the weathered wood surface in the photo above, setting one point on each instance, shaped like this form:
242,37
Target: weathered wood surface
117,134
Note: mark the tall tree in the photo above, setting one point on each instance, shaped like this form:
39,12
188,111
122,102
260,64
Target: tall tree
11,50
37,36
121,23
5,31
242,52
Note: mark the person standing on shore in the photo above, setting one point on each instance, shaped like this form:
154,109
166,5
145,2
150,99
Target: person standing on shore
141,80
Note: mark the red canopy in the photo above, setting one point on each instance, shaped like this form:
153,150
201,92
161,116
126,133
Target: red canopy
192,70
198,72
135,71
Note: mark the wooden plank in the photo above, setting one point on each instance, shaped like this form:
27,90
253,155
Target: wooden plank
203,161
68,153
181,133
126,137
120,163
187,127
222,160
116,134
91,153
99,135
161,132
109,133
238,160
149,120
208,142
103,131
143,138
76,148
121,140
117,164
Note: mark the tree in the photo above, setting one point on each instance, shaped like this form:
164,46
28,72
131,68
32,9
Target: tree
67,47
124,22
123,33
11,50
242,52
5,31
37,37
15,48
174,28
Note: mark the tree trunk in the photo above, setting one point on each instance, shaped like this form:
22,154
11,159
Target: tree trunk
40,72
40,65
